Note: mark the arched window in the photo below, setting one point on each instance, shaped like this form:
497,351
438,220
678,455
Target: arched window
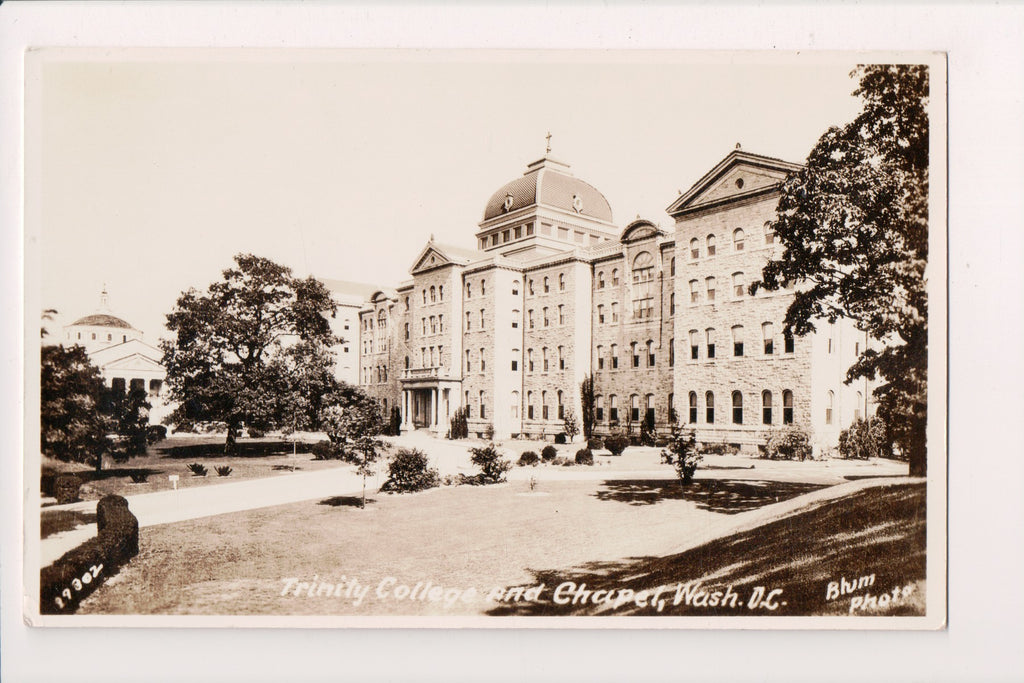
672,303
514,405
643,277
788,342
515,318
433,324
547,321
615,356
424,295
787,407
529,359
440,292
695,248
600,313
469,290
769,233
561,282
710,336
600,279
649,408
737,408
600,357
693,407
694,344
710,284
711,245
561,408
634,351
672,267
433,294
737,285
483,287
769,341
561,314
857,409
544,405
650,353
737,340
515,360
382,319
737,239
561,358
599,408
515,288
483,361
671,353
634,407
694,292
709,408
544,357
483,406
529,405
830,400
547,287
615,311
469,365
766,407
613,408
615,277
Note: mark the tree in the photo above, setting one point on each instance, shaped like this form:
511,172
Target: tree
854,227
72,426
587,404
682,453
570,425
245,350
129,418
352,421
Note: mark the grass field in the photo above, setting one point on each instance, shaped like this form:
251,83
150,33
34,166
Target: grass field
444,551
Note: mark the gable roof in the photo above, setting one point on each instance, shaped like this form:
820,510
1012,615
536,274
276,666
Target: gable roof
744,175
436,255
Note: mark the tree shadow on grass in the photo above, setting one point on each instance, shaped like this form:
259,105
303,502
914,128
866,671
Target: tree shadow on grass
56,521
346,501
243,449
115,473
729,496
879,532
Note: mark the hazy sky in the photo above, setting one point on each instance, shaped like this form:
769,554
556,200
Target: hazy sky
154,168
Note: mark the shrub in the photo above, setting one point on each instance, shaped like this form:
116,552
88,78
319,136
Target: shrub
409,470
528,458
66,487
595,444
459,425
78,572
863,440
197,469
255,432
185,427
549,453
788,443
682,454
223,470
492,466
648,430
155,434
560,438
561,461
139,476
395,424
584,457
489,431
719,448
616,444
327,450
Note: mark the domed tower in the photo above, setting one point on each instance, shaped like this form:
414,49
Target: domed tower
100,329
547,210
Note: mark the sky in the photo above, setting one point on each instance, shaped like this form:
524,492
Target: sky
149,169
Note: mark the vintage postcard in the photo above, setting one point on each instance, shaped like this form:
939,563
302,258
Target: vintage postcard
484,338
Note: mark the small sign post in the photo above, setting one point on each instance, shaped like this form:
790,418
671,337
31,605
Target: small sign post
174,481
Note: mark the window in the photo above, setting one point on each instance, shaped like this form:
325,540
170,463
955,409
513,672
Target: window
433,294
407,303
468,364
650,353
737,408
671,353
423,321
672,304
769,343
469,323
694,345
110,337
766,407
515,285
424,295
481,318
440,292
544,405
710,284
515,360
856,349
433,358
483,361
615,277
830,399
469,290
788,342
515,399
649,408
407,331
615,356
545,318
643,278
529,316
787,407
635,354
561,282
599,408
483,287
530,286
600,358
407,362
544,357
433,325
831,337
737,239
600,313
518,231
856,409
672,267
694,248
529,359
615,311
613,408
694,292
561,314
561,358
711,245
737,340
561,408
600,279
547,288
769,233
737,285
515,319
440,323
634,407
710,334
483,406
693,407
529,405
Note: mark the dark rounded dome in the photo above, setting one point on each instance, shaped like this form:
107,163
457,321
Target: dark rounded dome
102,320
548,182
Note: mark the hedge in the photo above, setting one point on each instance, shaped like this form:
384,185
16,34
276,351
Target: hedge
66,582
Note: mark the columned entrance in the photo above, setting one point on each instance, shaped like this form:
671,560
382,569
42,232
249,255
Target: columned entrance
427,406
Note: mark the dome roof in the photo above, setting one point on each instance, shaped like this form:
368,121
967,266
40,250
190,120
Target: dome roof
102,320
550,183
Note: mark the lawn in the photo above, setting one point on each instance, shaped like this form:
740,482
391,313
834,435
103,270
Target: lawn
454,550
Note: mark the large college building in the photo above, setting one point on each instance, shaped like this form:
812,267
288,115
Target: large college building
555,291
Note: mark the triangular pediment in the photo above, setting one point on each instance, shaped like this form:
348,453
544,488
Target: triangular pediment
436,255
135,362
431,257
739,175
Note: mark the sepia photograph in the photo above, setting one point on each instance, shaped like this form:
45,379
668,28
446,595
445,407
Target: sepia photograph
485,338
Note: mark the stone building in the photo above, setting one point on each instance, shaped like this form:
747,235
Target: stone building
662,319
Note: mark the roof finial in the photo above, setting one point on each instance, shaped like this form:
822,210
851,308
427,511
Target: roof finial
431,237
738,146
548,138
103,298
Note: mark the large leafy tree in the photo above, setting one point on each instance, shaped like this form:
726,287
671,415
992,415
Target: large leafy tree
73,427
239,347
854,226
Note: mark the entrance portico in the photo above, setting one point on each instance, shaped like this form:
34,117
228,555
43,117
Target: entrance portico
427,402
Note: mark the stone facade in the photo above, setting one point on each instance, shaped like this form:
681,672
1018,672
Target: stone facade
556,292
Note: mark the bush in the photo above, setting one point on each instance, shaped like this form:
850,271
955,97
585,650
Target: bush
528,458
682,454
720,448
409,470
492,466
560,438
78,572
255,432
197,469
549,453
595,444
489,431
155,434
66,487
561,462
616,444
327,450
459,425
584,457
863,440
395,423
788,443
139,476
223,470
